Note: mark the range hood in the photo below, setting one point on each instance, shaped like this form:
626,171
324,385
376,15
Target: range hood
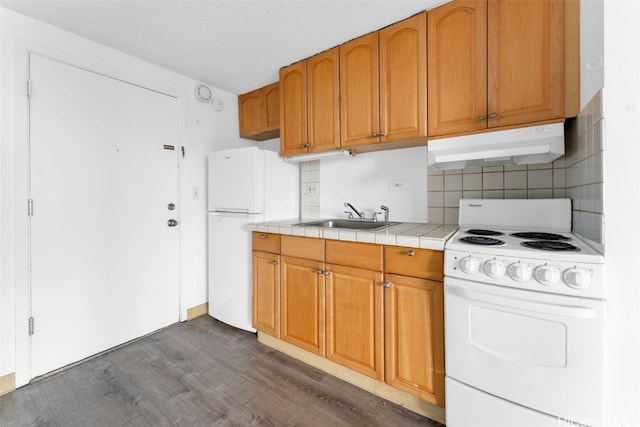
523,146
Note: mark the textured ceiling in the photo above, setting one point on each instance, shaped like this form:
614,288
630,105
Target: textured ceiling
235,45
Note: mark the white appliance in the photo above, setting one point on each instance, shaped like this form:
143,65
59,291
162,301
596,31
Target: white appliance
528,145
524,318
245,186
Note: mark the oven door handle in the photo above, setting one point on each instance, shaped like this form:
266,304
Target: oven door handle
573,311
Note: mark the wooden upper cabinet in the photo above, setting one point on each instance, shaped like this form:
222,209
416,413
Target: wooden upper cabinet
494,63
309,92
359,91
323,101
293,109
457,58
525,61
403,80
272,112
383,85
259,113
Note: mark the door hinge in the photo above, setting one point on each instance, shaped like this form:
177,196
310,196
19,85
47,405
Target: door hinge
30,325
29,89
30,207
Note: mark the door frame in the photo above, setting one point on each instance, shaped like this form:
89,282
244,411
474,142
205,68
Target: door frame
22,49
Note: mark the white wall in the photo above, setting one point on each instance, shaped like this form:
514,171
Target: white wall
621,99
591,49
366,181
202,130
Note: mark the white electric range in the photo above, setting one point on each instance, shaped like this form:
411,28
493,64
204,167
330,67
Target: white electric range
524,317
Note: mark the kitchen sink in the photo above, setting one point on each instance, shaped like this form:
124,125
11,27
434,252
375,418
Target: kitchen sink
348,224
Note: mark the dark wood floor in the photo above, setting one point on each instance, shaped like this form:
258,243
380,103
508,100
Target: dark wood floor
198,373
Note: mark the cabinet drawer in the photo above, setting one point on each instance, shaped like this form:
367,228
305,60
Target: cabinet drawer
423,263
351,254
266,242
303,247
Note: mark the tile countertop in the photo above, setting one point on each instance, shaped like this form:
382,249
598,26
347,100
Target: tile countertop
411,234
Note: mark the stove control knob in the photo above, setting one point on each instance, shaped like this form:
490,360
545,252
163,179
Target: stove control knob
547,275
577,278
494,269
520,272
470,265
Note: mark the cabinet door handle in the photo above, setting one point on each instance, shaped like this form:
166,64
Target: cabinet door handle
274,262
326,273
411,253
319,271
262,236
387,284
381,133
493,115
374,135
480,118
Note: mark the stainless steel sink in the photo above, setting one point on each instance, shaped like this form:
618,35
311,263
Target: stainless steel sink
348,224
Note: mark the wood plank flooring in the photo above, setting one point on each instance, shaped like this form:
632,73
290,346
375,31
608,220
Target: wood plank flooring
198,373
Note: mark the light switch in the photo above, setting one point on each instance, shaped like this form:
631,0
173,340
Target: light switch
195,193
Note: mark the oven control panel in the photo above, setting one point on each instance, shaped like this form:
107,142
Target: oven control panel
561,277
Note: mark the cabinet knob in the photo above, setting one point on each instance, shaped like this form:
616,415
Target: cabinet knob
411,253
381,133
387,284
326,273
480,118
262,236
274,262
374,135
319,271
493,115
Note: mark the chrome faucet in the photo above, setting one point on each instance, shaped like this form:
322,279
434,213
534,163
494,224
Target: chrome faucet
386,213
349,205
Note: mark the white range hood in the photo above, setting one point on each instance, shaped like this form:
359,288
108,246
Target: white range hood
535,144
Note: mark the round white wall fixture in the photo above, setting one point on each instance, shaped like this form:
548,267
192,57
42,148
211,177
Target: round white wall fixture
202,93
217,104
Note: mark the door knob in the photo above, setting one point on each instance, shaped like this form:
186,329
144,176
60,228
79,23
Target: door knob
172,223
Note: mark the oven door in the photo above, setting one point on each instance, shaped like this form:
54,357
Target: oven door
539,350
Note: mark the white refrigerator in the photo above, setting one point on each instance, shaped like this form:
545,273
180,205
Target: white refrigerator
245,186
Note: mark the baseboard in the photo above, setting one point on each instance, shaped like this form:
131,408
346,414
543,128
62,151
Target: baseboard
371,385
7,383
197,311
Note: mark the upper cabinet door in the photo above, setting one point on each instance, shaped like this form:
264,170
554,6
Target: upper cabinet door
323,92
359,91
251,117
272,104
403,80
525,61
293,109
457,38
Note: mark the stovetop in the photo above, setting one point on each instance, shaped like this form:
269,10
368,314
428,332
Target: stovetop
540,245
525,244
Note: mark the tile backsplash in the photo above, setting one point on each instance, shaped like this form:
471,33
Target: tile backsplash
446,188
584,170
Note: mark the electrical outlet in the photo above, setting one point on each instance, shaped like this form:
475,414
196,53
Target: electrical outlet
312,188
399,184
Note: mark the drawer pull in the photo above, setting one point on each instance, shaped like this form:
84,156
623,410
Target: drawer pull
411,253
262,236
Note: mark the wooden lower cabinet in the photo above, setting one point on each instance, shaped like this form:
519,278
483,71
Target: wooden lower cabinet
414,336
266,292
355,319
302,304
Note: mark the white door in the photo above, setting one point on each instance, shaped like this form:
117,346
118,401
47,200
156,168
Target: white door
104,262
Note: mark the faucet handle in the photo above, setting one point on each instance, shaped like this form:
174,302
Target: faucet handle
350,214
375,216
